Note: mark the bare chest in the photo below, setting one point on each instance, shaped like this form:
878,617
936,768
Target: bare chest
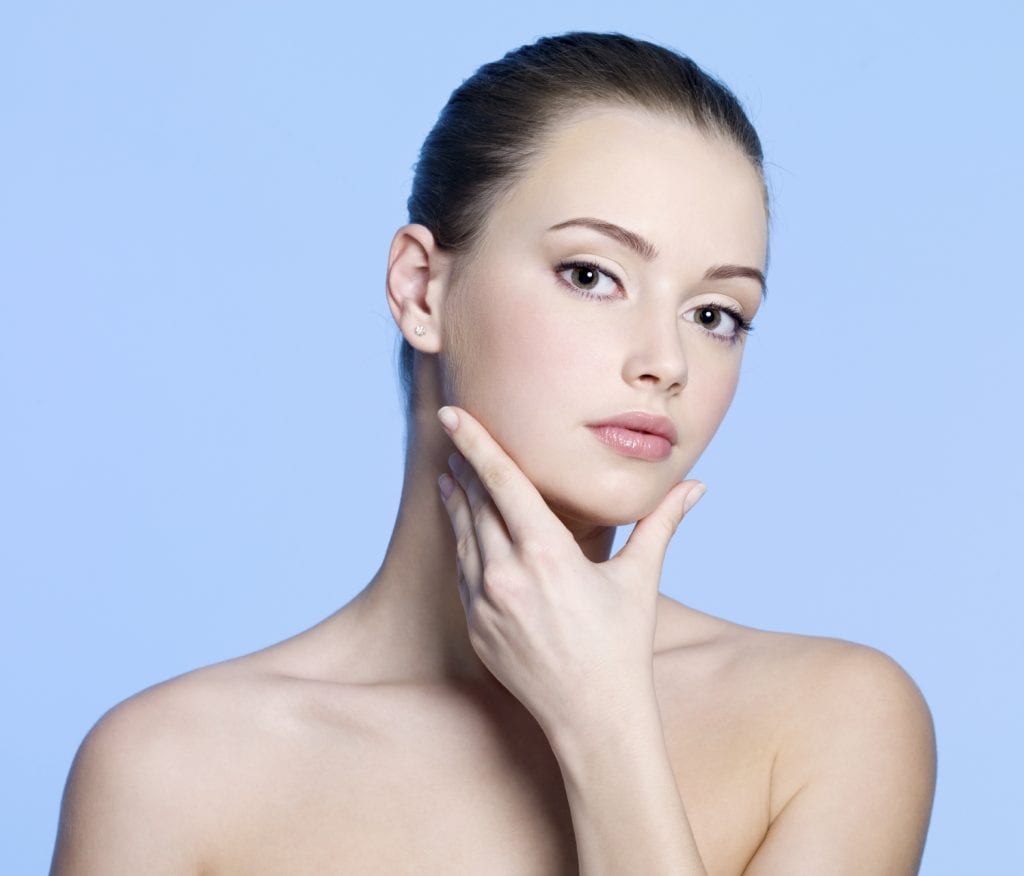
455,789
408,788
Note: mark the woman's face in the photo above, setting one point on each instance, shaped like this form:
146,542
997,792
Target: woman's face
537,349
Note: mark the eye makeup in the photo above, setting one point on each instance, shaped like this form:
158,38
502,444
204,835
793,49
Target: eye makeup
584,265
741,326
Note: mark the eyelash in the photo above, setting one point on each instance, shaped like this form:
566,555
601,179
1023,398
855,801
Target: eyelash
743,326
588,266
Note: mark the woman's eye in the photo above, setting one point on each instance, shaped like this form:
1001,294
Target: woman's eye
588,279
718,321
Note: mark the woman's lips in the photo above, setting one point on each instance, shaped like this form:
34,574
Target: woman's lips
640,445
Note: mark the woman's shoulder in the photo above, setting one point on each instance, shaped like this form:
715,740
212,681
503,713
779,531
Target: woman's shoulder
155,721
790,666
842,721
159,772
187,724
839,702
817,697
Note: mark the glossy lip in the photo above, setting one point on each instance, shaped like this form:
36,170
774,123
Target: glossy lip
640,421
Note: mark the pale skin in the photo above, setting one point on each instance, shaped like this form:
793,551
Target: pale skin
504,696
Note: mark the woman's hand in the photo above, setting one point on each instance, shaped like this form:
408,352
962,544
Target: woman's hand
567,637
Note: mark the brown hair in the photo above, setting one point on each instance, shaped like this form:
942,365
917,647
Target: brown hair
496,122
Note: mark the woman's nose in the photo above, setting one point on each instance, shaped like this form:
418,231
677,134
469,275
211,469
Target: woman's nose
657,357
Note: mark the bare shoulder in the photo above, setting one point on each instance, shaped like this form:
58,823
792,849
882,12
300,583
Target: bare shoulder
840,689
838,674
810,678
149,782
853,774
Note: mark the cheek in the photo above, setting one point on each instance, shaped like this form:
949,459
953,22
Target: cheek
503,356
528,363
533,387
710,389
720,387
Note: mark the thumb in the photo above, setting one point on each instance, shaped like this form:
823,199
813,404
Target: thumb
648,541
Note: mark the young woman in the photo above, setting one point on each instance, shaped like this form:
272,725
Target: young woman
586,250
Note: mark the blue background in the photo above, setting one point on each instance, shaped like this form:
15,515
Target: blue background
201,438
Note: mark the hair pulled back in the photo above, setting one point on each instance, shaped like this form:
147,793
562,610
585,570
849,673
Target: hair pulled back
498,120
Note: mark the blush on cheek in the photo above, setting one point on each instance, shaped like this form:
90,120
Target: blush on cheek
501,377
726,391
712,404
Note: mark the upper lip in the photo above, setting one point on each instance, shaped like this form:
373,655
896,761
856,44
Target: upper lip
640,421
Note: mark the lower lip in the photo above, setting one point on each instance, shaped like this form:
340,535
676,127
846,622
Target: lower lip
640,445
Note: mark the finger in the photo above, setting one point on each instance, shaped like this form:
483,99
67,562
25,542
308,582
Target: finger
648,542
518,501
492,536
466,550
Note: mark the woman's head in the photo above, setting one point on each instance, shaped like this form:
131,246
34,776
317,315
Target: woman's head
578,217
497,121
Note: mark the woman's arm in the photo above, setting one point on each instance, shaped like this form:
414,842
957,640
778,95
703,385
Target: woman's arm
852,793
626,810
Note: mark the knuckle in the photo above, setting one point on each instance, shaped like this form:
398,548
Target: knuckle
535,550
478,507
671,524
542,558
464,544
498,582
495,475
495,575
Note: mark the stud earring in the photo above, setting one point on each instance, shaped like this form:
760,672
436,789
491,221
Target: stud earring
420,330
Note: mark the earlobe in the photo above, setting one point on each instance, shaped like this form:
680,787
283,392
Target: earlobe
416,275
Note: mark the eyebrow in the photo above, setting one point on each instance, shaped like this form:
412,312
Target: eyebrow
648,251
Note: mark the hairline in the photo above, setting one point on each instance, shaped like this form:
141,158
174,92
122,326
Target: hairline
502,191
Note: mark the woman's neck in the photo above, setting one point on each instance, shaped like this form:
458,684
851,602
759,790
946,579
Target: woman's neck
408,622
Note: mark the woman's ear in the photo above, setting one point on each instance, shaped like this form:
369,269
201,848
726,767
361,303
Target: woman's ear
416,282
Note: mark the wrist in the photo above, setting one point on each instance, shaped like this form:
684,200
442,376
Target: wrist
592,724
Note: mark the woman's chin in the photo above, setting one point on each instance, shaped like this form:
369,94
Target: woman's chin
586,495
602,510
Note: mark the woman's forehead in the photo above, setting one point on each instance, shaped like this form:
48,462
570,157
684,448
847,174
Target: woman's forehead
643,171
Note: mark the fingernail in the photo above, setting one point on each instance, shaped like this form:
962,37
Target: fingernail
455,462
693,497
446,485
449,418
